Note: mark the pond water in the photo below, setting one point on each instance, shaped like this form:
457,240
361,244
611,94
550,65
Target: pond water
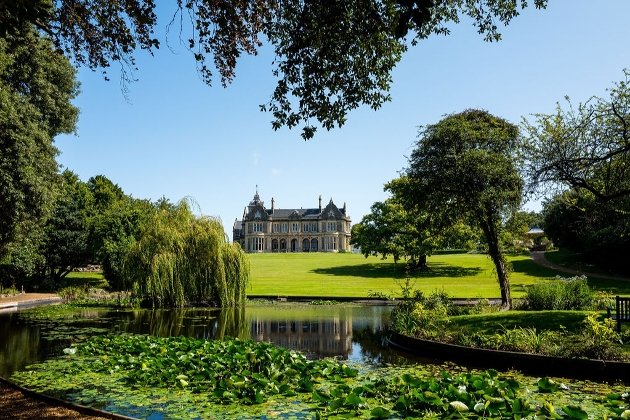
349,332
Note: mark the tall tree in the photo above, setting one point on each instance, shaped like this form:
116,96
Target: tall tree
65,245
585,148
36,87
392,230
331,57
464,169
597,230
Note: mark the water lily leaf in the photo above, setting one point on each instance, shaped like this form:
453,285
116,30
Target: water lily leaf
350,372
459,406
321,396
380,413
575,412
353,400
548,385
336,404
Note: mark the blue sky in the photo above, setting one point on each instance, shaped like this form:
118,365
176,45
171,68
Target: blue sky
177,137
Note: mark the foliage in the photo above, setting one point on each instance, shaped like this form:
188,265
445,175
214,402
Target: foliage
36,87
321,302
597,230
65,245
115,228
514,237
73,293
463,169
248,373
587,148
420,316
180,257
565,294
390,229
9,291
598,338
330,58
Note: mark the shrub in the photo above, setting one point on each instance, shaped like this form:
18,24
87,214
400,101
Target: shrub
73,293
422,316
566,294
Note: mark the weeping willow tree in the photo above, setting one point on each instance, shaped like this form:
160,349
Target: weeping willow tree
181,258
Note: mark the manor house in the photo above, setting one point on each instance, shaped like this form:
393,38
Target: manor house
292,230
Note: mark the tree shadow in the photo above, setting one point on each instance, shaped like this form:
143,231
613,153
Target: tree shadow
378,271
530,268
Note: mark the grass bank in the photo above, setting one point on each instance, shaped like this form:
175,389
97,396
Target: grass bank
352,275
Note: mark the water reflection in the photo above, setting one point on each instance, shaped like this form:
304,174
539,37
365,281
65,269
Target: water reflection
348,332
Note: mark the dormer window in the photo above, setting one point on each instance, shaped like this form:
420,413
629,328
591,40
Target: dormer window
331,214
257,215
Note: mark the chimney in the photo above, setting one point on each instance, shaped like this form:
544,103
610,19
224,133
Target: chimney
320,203
273,204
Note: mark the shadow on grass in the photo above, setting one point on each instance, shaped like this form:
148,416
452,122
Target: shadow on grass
530,268
397,271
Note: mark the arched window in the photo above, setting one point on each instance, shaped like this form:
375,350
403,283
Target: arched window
294,245
314,245
305,245
274,245
283,245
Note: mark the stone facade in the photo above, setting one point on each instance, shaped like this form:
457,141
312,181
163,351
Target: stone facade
292,230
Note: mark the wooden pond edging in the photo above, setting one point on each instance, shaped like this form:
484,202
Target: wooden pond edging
531,364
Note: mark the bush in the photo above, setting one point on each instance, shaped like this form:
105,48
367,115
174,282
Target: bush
567,294
73,293
421,316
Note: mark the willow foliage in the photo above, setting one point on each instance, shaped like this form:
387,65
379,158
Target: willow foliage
181,258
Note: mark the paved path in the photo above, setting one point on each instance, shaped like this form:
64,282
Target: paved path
27,299
539,258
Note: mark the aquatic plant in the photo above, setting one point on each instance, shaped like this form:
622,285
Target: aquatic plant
199,378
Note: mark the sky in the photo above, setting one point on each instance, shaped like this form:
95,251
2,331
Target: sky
174,136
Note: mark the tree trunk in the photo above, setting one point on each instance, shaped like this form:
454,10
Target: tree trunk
499,262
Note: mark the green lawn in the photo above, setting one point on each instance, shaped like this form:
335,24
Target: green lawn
541,320
352,275
85,278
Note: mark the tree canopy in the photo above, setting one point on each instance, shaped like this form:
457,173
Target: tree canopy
36,87
464,169
180,258
585,148
331,57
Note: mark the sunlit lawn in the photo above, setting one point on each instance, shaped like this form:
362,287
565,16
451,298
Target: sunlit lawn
540,320
352,275
85,278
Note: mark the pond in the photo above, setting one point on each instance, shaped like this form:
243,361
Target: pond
350,332
354,334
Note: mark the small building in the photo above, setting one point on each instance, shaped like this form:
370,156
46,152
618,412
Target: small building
292,230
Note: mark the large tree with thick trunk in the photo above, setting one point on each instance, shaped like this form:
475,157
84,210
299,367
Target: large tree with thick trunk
464,168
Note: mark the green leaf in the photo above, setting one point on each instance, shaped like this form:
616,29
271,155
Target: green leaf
380,413
575,412
459,406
